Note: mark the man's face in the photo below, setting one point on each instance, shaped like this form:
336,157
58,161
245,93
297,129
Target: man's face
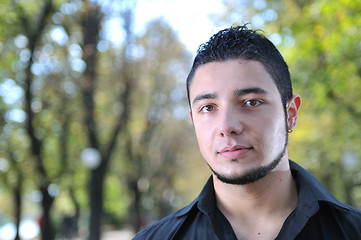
238,117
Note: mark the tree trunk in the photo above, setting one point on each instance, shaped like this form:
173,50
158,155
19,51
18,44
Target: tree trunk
18,204
91,26
96,203
47,232
136,212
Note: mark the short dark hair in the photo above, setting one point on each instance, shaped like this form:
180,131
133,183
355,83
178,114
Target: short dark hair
241,42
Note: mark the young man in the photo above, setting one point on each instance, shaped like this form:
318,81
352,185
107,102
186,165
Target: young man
242,107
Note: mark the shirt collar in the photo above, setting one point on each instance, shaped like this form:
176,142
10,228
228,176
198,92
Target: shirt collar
207,198
310,188
206,201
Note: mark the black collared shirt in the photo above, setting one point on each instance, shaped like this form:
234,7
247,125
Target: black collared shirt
318,215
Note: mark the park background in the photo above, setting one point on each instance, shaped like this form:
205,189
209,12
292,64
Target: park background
94,129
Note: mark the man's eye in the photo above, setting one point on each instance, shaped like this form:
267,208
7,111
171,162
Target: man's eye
207,108
252,103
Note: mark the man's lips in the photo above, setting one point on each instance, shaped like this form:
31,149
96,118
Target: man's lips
236,151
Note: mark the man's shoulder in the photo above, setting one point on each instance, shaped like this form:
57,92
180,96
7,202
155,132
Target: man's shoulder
313,190
347,214
323,208
334,221
166,227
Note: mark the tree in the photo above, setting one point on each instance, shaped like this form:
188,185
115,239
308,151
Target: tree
91,28
33,35
154,139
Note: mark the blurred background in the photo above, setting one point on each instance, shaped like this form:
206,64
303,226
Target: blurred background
95,139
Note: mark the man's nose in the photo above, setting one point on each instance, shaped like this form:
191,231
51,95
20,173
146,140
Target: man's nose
230,123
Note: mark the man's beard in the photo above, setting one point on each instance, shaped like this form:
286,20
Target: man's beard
254,174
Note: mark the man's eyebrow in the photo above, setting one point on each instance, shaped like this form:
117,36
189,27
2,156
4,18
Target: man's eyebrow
245,91
204,96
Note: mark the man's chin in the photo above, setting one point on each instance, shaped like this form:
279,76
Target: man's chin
250,176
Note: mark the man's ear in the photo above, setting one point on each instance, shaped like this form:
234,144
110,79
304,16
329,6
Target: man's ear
292,111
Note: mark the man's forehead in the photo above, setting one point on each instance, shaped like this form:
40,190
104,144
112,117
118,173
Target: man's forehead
211,67
249,72
236,93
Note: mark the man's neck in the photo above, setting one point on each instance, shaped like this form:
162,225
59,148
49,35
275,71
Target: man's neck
258,210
